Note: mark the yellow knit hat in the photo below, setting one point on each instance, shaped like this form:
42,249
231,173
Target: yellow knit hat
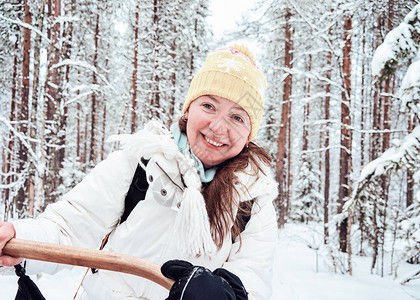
231,73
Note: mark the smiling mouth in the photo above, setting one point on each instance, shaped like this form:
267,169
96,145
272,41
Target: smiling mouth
213,142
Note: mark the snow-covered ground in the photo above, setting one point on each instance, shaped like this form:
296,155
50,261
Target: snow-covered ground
295,276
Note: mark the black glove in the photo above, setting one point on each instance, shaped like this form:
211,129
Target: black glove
195,282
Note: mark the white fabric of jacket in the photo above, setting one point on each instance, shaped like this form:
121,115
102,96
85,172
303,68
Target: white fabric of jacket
93,208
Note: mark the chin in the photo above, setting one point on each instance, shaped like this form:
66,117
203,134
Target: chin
209,163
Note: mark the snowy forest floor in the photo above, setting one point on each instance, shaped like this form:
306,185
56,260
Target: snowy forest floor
295,276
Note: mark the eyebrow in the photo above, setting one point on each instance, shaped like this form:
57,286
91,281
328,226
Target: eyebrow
234,106
212,98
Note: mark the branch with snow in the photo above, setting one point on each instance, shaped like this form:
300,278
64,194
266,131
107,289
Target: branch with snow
404,156
24,140
413,276
410,87
401,42
27,26
313,75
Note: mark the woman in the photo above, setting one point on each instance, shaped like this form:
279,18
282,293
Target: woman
202,175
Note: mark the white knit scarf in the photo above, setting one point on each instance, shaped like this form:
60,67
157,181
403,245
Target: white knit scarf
192,226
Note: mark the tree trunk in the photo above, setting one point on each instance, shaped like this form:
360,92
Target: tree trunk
104,119
23,115
79,131
193,50
387,88
348,237
345,151
55,119
306,110
173,85
386,124
375,142
364,114
10,150
281,143
80,139
410,179
327,145
135,68
375,235
85,139
103,132
40,119
33,177
155,90
383,230
93,156
289,164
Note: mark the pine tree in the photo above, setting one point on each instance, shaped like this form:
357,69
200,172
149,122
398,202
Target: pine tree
400,46
308,202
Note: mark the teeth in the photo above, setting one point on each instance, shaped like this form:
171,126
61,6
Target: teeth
212,142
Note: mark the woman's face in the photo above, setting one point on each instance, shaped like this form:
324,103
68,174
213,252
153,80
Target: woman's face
217,129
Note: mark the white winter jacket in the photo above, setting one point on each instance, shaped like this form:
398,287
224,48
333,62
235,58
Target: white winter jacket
93,208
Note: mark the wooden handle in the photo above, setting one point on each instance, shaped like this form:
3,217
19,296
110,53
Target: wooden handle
83,257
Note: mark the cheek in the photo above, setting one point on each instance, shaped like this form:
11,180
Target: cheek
241,144
242,138
192,130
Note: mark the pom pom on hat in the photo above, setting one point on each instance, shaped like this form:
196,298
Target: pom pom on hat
244,50
232,73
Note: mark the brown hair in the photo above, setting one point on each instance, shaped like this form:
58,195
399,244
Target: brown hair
223,187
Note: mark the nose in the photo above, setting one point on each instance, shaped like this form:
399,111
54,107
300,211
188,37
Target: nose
218,125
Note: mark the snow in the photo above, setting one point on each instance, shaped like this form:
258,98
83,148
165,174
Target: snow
295,276
413,15
398,40
392,155
410,86
412,77
382,54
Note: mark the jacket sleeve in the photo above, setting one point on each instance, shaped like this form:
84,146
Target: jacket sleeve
85,214
253,262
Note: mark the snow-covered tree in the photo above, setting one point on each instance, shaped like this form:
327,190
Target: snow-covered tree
307,203
401,46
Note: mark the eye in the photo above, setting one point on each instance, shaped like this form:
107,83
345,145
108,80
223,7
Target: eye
238,118
208,106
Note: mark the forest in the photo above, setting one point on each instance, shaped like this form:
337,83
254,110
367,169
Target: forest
341,115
